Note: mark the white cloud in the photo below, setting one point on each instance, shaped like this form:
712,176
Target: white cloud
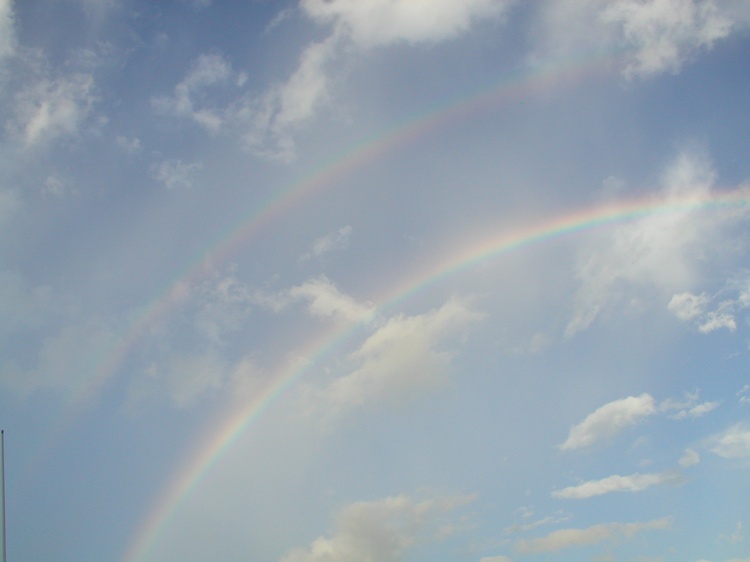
632,483
733,443
378,531
663,33
656,36
741,394
174,173
608,420
689,458
401,359
660,250
337,240
189,99
54,108
370,23
275,117
687,408
689,307
605,532
326,301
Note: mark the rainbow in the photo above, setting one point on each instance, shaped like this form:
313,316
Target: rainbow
489,248
515,86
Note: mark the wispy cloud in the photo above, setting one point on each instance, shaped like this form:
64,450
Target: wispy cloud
732,443
605,532
337,240
609,420
174,173
631,483
190,99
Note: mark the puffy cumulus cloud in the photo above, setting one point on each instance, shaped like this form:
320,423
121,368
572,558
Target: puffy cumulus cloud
659,250
326,301
370,23
274,118
190,97
699,311
663,33
656,36
337,240
378,531
54,108
401,359
608,420
631,483
174,173
733,443
605,532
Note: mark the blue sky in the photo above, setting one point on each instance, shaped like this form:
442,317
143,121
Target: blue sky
377,280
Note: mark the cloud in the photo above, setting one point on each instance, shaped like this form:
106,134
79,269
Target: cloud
689,307
54,108
189,99
275,117
663,33
337,240
660,250
733,443
371,23
605,532
326,301
616,483
401,359
174,173
7,30
278,114
379,531
656,36
608,420
687,408
741,393
689,458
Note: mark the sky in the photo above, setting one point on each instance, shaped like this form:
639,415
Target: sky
375,280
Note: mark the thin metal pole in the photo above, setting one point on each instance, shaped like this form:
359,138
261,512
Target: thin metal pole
2,468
